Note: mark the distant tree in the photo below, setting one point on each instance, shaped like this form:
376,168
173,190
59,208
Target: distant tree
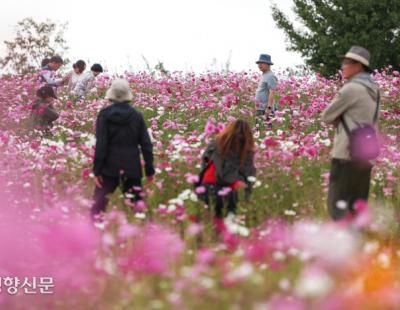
33,42
148,66
160,68
228,62
330,27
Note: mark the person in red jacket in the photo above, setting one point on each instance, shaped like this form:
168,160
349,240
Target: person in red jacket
227,163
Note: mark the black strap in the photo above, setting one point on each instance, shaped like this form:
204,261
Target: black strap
378,99
346,127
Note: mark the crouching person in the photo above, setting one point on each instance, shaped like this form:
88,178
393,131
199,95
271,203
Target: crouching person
43,113
121,135
226,165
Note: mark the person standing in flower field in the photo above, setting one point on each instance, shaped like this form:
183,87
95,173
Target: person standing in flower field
121,135
354,112
227,163
73,77
45,62
48,72
265,105
85,83
43,113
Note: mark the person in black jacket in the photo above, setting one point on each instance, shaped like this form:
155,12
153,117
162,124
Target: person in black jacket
120,131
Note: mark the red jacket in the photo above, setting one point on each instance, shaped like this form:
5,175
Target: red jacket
210,176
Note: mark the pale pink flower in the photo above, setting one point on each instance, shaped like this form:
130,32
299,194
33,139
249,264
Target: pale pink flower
153,251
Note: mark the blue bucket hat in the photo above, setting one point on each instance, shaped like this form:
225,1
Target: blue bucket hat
265,58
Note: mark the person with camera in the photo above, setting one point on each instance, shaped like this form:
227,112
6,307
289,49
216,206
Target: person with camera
354,113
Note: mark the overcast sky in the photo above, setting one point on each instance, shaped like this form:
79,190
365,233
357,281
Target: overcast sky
183,34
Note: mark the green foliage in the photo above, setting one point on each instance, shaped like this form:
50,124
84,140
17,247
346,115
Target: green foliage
33,42
160,68
330,27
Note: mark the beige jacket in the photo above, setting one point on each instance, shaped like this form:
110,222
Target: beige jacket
85,83
356,101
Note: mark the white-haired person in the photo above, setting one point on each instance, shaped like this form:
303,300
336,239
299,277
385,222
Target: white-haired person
121,137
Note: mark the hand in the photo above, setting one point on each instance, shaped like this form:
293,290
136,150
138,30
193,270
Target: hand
98,180
336,122
268,112
239,185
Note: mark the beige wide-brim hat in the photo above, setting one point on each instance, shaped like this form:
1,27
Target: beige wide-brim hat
119,91
360,55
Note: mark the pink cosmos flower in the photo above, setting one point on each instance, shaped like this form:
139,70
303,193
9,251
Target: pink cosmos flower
311,238
225,191
279,302
210,127
363,216
153,251
271,237
191,178
200,190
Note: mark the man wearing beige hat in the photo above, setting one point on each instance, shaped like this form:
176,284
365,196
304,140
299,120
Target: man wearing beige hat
121,135
355,105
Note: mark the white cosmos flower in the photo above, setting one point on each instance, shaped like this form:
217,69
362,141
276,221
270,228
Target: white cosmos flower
243,271
314,282
330,243
252,179
341,204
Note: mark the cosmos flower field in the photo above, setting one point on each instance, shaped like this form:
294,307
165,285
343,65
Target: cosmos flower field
282,252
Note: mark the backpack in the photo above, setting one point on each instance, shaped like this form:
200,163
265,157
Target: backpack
363,140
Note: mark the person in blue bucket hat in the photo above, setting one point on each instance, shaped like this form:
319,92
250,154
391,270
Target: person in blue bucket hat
265,93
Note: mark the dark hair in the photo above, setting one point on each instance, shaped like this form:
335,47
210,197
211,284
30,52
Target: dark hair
56,59
97,68
367,69
80,64
45,92
45,62
236,137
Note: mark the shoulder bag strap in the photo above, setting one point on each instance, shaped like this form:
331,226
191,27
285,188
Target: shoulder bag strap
378,99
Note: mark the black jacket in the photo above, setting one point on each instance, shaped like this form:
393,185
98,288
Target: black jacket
228,169
120,130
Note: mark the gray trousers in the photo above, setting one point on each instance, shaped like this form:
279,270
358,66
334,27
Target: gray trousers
348,182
